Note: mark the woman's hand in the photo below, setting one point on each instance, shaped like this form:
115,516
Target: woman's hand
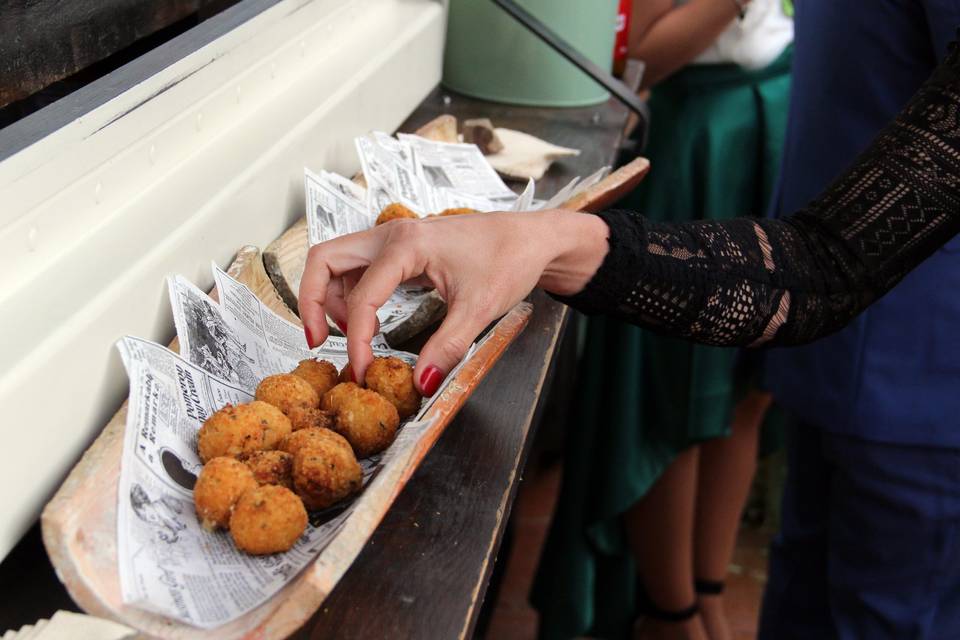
480,264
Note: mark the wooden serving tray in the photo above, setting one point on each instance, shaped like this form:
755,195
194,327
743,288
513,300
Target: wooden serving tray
80,522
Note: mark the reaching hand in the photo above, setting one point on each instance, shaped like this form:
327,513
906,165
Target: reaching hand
480,264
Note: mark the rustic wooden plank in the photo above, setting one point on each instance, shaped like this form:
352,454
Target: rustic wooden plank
611,189
79,524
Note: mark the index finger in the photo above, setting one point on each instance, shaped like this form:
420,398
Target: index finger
312,297
324,261
391,268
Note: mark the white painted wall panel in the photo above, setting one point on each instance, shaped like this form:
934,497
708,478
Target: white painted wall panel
187,167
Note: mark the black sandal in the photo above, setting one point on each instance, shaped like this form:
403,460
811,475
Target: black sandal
647,609
709,587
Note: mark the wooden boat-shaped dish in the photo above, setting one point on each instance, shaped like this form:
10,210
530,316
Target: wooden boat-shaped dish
80,522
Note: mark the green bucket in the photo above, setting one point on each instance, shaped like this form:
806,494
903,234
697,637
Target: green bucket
491,56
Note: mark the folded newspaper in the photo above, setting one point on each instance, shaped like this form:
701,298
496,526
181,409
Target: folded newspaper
167,563
425,176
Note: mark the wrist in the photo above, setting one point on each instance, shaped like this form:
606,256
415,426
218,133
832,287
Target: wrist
578,245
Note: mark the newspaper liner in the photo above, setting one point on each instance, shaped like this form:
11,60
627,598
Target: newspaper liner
427,177
167,563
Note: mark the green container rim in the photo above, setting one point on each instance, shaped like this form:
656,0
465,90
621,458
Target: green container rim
527,102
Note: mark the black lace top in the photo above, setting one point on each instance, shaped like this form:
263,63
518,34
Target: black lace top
752,282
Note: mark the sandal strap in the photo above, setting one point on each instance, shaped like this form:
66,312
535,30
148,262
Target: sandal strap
664,615
647,608
709,587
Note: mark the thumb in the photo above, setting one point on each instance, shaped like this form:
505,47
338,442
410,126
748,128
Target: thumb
445,348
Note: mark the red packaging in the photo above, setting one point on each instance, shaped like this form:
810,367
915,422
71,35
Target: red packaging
621,44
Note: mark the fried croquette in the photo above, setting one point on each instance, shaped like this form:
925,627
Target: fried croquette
321,375
270,467
267,519
457,211
346,375
392,378
235,429
393,212
221,483
294,396
368,421
306,438
333,398
325,473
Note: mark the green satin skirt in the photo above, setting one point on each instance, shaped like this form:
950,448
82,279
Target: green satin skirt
715,142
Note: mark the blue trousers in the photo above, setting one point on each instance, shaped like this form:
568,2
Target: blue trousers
870,542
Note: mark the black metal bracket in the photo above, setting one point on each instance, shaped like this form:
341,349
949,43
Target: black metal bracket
619,90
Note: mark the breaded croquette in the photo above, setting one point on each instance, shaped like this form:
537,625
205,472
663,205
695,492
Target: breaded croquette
221,483
270,467
309,437
392,378
294,396
395,211
321,375
325,473
236,429
367,420
267,519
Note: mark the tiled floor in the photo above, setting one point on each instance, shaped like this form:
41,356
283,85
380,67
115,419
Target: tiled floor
514,619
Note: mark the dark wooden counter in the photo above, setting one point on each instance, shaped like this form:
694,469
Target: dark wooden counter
425,571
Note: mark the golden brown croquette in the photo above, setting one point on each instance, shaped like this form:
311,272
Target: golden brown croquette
457,211
221,483
267,519
306,438
368,421
395,211
321,375
235,429
333,398
294,396
325,473
392,378
270,467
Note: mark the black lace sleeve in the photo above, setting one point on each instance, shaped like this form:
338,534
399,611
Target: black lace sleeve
751,282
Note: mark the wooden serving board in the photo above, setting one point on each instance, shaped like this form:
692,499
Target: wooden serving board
80,522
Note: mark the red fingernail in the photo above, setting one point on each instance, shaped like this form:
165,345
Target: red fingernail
306,332
342,326
430,379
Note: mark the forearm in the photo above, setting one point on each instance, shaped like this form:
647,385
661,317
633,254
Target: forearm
748,282
670,40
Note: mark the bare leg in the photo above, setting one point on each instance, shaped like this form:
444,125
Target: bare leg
660,530
727,466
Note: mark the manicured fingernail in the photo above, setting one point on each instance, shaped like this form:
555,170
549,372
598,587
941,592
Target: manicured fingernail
430,379
309,336
342,326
